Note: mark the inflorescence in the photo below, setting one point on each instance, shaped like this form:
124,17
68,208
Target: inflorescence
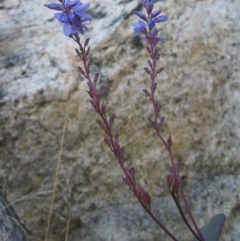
72,14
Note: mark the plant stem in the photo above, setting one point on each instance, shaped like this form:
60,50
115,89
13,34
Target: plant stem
183,216
154,56
113,144
189,211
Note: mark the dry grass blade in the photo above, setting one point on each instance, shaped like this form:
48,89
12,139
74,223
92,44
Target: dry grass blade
56,173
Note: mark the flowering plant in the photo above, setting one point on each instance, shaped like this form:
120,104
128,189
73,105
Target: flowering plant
72,14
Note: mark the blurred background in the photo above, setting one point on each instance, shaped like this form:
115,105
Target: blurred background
199,91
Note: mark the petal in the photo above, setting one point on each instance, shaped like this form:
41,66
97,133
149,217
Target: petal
68,29
139,26
85,16
155,13
81,8
162,40
86,28
54,6
161,19
81,29
140,15
70,4
149,3
143,2
75,30
151,23
77,5
62,17
153,32
70,16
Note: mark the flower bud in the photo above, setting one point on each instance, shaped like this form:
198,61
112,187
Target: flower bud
86,42
146,93
169,180
111,120
169,141
131,172
107,141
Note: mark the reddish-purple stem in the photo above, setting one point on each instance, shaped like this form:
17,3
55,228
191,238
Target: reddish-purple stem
114,146
189,211
183,215
153,55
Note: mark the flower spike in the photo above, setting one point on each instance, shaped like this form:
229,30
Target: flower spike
72,16
149,29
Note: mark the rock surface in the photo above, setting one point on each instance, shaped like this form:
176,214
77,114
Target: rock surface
199,91
10,225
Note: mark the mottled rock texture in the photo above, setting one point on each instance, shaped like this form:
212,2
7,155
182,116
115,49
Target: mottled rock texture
11,228
199,91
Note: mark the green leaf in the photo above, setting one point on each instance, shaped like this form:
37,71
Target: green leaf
212,231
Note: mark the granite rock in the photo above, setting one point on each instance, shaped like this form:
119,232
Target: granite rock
199,90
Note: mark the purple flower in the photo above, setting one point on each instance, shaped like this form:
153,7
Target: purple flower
160,19
67,19
155,13
151,19
148,4
141,15
139,27
153,37
80,11
151,23
70,4
72,16
54,6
